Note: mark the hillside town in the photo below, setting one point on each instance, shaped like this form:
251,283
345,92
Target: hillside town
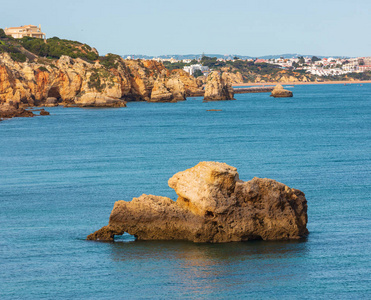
322,67
326,66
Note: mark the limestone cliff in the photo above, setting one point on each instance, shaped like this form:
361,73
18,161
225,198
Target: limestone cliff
76,82
281,76
232,78
213,206
217,89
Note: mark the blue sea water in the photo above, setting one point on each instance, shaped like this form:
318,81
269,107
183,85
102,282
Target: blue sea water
61,174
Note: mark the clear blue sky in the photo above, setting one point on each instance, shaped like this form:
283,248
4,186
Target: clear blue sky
155,27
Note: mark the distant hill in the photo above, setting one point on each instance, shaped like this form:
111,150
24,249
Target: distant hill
225,56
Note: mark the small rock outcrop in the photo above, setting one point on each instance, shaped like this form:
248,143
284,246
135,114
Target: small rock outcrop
280,92
43,112
217,89
213,206
11,110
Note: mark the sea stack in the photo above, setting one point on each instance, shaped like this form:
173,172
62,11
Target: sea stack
280,92
217,89
213,206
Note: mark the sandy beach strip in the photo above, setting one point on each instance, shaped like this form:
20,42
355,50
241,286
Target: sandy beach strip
300,83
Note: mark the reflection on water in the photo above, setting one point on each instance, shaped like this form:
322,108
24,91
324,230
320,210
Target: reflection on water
206,269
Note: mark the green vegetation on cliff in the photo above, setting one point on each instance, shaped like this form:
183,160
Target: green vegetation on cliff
110,61
249,69
356,76
56,47
2,34
7,44
99,79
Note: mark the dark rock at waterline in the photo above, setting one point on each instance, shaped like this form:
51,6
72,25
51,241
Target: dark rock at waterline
43,112
8,111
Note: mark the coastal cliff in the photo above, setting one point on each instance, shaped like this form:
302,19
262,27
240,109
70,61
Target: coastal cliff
217,89
213,206
76,82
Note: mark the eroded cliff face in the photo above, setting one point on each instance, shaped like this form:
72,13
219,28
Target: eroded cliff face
213,206
281,76
232,78
75,82
217,89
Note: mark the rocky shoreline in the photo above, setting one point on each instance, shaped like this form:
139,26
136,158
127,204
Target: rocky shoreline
76,82
213,206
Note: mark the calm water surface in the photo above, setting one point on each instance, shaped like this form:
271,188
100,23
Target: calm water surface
61,174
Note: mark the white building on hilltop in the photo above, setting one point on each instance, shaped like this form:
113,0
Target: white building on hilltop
27,30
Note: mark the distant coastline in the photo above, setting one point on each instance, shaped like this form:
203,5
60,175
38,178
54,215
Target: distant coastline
301,83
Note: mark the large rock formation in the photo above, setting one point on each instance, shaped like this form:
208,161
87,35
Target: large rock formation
76,82
213,206
232,78
280,92
217,89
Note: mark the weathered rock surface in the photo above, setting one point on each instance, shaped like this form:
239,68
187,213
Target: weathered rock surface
213,206
161,93
232,78
280,92
217,89
75,82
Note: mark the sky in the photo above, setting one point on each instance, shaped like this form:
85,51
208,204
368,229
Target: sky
243,27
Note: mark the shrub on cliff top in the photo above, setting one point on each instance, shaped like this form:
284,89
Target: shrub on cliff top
55,48
2,33
110,61
14,51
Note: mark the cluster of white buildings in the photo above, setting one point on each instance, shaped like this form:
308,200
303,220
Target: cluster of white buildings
322,67
192,68
325,66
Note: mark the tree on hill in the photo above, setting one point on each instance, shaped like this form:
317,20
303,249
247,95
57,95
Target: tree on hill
315,58
2,33
55,48
197,73
208,61
301,60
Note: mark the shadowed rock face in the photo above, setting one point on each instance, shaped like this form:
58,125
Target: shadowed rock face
280,92
213,206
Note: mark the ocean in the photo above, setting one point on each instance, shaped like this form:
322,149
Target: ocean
61,174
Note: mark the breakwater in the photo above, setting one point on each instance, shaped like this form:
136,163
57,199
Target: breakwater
255,89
